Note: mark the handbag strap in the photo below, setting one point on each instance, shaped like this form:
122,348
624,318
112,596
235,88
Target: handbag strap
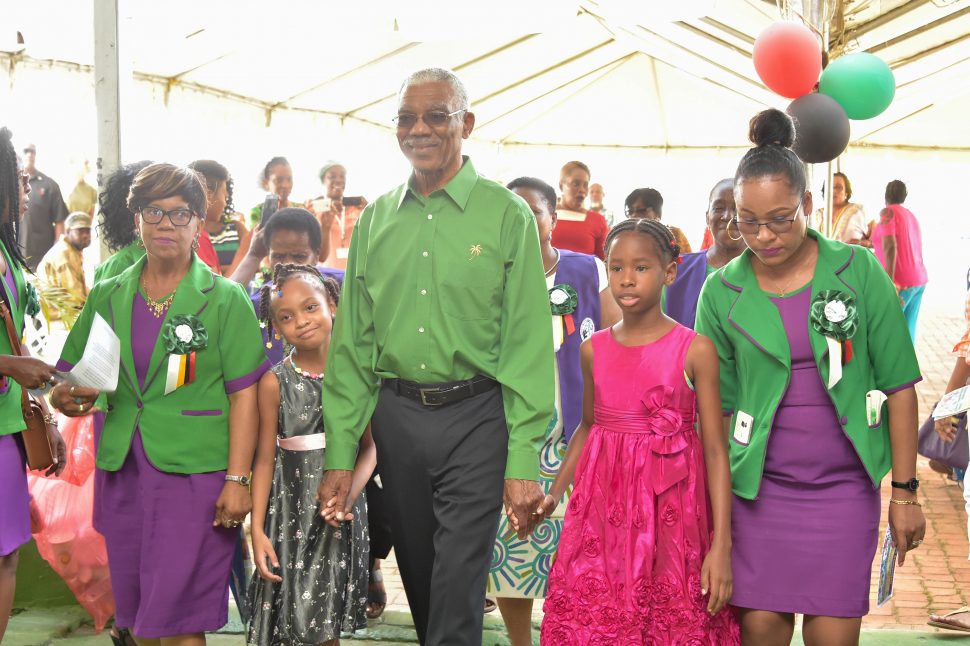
17,351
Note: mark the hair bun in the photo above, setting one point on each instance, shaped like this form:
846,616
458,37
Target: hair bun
771,127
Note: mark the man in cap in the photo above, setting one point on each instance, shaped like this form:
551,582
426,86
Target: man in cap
62,266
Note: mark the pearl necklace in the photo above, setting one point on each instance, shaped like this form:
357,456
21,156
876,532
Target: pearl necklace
304,373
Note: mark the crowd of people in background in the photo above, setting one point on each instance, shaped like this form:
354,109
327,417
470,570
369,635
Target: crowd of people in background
400,373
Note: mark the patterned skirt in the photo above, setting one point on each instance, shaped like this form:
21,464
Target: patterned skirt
520,567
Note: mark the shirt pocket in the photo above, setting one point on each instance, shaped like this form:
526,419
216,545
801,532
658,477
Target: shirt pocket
472,291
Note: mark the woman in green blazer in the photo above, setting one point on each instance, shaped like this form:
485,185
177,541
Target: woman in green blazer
817,374
16,372
180,431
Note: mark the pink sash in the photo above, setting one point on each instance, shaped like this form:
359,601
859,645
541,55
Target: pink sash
303,442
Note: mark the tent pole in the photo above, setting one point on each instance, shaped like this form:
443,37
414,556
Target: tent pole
107,95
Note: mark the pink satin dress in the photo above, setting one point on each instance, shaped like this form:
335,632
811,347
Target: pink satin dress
638,525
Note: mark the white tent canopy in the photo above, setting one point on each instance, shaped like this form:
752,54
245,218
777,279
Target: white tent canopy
634,74
648,93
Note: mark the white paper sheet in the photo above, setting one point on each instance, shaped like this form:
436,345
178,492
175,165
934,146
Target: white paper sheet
98,367
953,403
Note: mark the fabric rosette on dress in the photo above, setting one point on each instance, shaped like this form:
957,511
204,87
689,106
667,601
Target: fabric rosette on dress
835,316
182,337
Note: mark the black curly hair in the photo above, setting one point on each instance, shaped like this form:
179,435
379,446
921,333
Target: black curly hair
10,179
773,133
666,243
282,273
214,172
117,225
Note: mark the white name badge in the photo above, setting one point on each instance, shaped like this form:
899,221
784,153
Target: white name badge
343,253
743,424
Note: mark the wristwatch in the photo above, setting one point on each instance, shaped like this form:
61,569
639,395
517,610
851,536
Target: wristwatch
243,480
910,485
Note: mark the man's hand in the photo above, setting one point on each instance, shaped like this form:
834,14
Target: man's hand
333,494
258,247
522,499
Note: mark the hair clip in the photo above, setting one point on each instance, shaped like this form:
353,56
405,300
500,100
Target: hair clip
277,336
279,293
269,345
680,260
262,325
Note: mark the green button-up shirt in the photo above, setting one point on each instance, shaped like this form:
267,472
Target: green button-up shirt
442,288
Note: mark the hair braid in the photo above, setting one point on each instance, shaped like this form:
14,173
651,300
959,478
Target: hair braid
666,242
10,197
265,312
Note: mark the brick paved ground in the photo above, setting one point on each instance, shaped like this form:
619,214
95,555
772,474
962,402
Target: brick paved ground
936,577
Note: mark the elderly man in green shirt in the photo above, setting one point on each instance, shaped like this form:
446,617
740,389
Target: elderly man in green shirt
443,344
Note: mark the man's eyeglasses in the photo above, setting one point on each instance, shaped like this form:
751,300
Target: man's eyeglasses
178,217
433,119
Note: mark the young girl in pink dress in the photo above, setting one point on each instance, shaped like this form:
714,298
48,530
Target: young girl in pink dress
642,558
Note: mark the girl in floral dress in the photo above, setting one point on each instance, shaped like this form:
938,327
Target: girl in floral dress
312,583
642,558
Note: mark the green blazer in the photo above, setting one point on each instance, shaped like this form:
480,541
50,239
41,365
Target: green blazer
11,417
755,358
120,261
187,430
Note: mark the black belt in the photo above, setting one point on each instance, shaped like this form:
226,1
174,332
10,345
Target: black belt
441,394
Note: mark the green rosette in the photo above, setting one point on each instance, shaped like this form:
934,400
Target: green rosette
32,306
563,299
184,334
834,314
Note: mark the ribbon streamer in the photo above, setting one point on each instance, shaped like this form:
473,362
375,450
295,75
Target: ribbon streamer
835,361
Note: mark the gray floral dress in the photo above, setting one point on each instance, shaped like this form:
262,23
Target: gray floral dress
324,569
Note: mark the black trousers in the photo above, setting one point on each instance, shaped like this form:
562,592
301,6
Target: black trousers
443,471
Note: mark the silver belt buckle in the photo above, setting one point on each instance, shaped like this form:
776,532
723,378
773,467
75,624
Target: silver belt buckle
424,399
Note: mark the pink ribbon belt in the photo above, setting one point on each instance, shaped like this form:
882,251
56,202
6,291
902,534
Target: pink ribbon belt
303,442
665,428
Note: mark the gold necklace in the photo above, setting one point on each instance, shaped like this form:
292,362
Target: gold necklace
157,307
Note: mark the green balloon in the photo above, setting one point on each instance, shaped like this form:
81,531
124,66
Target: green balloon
861,83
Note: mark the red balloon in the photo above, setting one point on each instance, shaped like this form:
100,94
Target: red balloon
788,58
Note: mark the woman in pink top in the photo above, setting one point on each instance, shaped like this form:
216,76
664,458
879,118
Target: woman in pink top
898,243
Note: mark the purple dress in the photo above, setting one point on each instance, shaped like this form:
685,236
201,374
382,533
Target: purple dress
806,543
15,501
169,565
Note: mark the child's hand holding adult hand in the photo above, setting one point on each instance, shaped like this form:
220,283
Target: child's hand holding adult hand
334,496
716,578
265,557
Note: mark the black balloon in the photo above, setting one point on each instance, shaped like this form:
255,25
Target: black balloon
821,128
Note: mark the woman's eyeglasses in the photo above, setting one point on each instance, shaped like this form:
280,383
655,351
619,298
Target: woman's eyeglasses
154,215
753,227
434,119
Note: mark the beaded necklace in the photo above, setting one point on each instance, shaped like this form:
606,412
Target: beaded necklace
304,373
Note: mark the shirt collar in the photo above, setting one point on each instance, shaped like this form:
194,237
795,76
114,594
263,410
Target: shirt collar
459,188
